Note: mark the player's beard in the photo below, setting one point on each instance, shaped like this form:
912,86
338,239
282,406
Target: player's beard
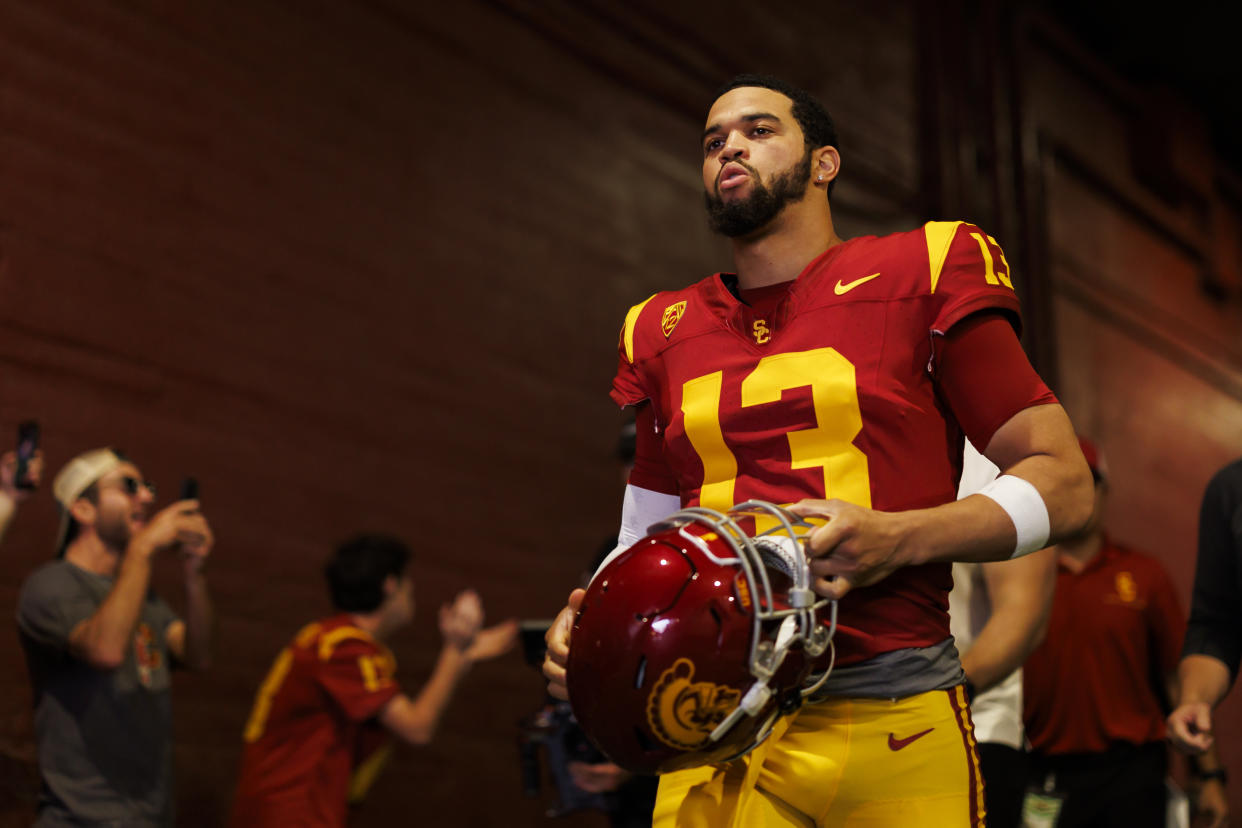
743,216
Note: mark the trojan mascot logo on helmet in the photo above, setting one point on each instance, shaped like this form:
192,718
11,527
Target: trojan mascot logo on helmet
691,643
682,712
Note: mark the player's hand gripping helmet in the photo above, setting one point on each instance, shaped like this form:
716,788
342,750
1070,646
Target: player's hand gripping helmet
690,644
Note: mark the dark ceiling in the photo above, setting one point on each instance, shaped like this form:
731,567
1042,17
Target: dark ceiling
1191,47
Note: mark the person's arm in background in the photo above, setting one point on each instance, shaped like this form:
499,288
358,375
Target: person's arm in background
1212,651
1213,646
598,777
1166,630
1206,769
465,642
1020,592
10,495
103,639
1203,681
189,640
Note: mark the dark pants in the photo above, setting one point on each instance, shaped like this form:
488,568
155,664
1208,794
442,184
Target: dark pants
1121,788
1004,783
634,803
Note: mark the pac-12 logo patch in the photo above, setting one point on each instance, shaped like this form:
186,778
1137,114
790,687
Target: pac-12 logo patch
682,712
672,315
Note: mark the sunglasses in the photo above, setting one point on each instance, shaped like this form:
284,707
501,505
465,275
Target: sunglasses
132,485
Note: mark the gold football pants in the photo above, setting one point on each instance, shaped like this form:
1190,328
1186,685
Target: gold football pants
843,763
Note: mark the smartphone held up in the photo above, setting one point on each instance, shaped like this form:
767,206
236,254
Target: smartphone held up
189,491
27,447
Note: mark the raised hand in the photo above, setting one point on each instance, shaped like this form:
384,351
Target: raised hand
460,621
180,526
8,474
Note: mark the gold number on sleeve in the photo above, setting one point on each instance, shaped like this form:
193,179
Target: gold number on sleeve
990,273
375,670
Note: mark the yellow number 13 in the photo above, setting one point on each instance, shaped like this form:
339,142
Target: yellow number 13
829,445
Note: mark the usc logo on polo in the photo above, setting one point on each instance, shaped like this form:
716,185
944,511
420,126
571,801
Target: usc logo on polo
682,712
1127,591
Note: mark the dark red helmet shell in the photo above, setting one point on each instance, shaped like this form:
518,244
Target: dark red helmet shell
662,651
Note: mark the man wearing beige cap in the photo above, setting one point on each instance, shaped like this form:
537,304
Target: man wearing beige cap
98,642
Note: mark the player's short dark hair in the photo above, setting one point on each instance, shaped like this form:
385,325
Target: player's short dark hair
357,570
818,130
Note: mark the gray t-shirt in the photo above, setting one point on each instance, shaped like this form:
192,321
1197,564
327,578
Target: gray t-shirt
104,736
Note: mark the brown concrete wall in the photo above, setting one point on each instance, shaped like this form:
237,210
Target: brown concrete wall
362,265
1141,227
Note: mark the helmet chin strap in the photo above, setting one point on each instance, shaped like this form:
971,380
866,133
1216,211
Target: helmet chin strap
759,693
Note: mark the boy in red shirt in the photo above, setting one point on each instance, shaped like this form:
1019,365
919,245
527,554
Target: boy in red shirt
317,733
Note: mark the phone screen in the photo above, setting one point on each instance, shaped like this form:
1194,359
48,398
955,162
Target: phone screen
27,445
189,489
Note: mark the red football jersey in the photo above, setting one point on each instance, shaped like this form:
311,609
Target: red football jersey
831,394
312,717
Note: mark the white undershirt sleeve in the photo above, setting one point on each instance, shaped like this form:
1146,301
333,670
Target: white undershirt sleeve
639,509
977,471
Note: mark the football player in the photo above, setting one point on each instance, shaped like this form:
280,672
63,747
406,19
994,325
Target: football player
841,376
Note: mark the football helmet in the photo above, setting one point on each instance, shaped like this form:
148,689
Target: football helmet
691,643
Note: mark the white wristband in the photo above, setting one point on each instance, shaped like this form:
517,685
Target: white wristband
1025,507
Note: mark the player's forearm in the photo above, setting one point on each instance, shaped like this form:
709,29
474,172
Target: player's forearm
104,639
1202,679
1067,495
974,529
1036,445
199,622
